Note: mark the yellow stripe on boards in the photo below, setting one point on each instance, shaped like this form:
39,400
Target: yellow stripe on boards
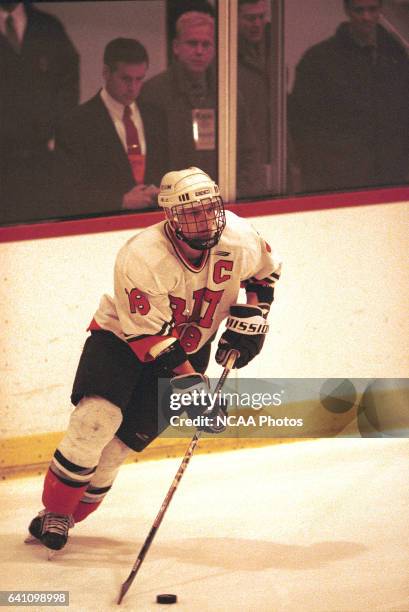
30,455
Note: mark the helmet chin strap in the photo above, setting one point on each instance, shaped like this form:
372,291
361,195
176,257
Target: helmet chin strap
196,243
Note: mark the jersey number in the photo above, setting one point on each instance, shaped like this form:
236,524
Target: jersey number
138,302
191,335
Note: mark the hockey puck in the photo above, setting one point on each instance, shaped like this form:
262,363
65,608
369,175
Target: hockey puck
166,598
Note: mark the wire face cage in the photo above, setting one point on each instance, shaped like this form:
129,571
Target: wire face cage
199,223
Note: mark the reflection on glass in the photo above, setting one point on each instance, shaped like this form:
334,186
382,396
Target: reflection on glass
101,151
254,84
347,82
58,158
348,110
180,103
39,68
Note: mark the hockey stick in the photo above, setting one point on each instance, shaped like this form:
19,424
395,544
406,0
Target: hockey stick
233,354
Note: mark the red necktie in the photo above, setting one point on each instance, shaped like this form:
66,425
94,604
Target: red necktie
132,138
136,159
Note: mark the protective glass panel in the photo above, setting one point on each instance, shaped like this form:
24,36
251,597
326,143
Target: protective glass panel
348,85
74,143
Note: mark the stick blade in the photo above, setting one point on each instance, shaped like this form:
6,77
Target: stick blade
125,586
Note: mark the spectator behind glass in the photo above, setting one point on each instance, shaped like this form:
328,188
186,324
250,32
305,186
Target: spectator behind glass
101,151
39,73
180,105
176,8
254,75
348,112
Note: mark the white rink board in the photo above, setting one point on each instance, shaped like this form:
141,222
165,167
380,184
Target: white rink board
340,309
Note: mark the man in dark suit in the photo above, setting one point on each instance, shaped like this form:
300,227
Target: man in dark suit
348,111
100,146
39,75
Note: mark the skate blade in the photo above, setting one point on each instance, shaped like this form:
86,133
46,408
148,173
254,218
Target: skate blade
30,539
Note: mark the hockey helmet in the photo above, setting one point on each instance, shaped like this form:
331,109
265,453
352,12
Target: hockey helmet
193,207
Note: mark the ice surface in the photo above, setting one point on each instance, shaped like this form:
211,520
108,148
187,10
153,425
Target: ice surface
314,526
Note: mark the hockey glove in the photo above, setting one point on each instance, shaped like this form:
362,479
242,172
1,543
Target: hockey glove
246,329
195,397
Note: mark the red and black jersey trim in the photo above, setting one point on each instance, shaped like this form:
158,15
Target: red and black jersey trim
141,345
180,255
266,281
164,331
172,356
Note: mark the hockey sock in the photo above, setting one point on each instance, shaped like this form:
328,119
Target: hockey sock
89,502
83,510
64,485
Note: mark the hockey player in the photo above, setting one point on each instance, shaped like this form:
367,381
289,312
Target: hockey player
174,283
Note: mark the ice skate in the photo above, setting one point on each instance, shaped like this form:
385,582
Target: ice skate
51,530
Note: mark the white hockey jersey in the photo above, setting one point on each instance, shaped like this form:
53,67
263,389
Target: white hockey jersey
159,293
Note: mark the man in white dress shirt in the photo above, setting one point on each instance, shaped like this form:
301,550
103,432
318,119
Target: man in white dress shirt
101,145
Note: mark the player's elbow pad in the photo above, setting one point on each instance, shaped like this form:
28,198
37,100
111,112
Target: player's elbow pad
265,294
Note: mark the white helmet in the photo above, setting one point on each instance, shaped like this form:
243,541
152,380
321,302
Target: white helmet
193,207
